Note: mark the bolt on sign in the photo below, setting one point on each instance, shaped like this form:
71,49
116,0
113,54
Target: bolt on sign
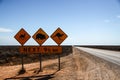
22,36
59,36
41,49
40,36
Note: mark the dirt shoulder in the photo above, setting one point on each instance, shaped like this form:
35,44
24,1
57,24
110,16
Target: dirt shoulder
49,67
90,67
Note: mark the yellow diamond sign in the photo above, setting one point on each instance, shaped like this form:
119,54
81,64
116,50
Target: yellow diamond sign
59,36
22,36
40,36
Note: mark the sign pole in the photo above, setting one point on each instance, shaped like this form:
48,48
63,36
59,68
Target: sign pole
58,61
22,71
40,37
22,36
40,58
59,36
22,61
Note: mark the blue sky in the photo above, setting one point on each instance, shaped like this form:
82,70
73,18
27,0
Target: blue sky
86,22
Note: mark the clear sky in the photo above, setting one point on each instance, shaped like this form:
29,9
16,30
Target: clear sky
86,22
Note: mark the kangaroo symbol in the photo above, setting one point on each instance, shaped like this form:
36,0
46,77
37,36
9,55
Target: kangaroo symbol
22,36
59,35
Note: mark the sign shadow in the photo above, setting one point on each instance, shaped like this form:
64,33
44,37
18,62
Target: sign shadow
35,77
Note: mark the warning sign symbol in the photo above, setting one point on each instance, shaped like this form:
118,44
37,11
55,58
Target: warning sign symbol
59,36
22,36
40,36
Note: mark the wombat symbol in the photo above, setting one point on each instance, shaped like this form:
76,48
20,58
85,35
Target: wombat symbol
40,36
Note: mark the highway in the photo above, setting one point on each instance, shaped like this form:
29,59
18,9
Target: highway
111,56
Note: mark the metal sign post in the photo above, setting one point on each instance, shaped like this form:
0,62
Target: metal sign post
59,36
22,61
22,71
58,61
40,59
22,37
40,37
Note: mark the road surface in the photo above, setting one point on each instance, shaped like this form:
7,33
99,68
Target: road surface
111,56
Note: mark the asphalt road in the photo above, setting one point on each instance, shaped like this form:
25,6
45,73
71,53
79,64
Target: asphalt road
111,56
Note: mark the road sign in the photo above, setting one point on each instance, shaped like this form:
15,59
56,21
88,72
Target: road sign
40,36
22,36
51,49
59,36
41,49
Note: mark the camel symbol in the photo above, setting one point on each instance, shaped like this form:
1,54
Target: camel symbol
59,35
22,36
40,36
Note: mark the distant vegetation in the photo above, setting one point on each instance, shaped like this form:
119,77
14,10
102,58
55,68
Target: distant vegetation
9,55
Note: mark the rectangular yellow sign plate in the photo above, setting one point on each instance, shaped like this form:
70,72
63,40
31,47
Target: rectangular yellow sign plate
40,49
